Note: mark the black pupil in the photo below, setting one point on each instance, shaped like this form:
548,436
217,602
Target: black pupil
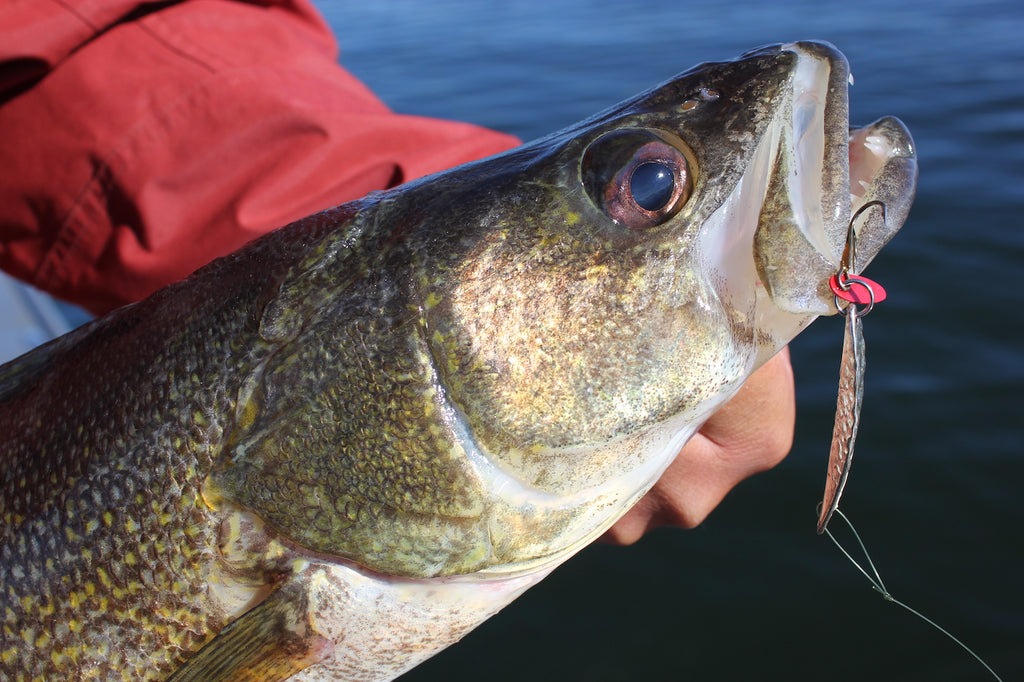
651,185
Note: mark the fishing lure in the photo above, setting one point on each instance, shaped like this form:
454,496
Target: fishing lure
848,285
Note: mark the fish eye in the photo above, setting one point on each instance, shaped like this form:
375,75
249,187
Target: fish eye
636,177
651,184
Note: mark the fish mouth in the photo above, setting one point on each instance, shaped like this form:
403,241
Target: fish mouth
824,173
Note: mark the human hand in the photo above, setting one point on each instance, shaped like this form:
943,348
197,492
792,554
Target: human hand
751,433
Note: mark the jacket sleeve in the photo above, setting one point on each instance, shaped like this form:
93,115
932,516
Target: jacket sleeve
142,140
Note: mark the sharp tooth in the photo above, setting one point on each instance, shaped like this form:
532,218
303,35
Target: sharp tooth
877,144
851,78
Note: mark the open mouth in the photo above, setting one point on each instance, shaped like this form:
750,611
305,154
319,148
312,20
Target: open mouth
825,172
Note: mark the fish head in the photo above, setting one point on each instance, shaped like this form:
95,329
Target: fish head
508,354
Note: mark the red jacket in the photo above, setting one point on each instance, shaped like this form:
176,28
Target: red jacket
139,139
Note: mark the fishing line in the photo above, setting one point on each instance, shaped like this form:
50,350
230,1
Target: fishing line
876,583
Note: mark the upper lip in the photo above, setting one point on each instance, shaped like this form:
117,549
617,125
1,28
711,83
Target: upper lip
839,168
820,123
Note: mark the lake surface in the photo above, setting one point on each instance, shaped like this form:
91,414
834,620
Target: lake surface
754,593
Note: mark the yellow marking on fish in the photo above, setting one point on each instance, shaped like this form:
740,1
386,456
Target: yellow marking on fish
246,417
59,658
432,300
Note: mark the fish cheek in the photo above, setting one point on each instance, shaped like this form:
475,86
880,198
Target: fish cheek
340,449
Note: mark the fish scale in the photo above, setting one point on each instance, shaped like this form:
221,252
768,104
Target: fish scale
125,523
102,508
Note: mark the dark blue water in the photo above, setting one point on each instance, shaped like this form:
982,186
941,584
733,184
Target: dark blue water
754,593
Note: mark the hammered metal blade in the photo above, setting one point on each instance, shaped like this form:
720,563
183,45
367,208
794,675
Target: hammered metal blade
851,394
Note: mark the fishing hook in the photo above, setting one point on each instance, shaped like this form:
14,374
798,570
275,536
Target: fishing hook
847,265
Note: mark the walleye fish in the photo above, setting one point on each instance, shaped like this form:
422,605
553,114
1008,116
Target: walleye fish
334,452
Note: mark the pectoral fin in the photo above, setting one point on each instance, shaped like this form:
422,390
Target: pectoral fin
270,642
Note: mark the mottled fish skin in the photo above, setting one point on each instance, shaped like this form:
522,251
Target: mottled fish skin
108,434
333,453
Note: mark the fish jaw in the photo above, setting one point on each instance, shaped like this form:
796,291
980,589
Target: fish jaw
824,172
883,167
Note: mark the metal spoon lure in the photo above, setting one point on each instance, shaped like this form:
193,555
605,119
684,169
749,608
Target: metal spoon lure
855,290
